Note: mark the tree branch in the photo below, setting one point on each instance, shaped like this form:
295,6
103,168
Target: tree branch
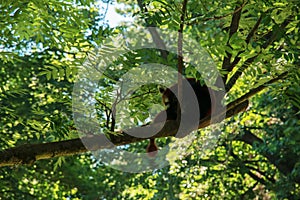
243,165
264,174
195,21
256,90
180,58
154,34
248,38
270,39
285,168
234,25
29,153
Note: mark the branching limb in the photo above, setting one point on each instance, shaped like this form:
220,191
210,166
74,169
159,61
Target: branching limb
107,110
285,168
254,28
249,172
248,38
270,179
255,177
272,36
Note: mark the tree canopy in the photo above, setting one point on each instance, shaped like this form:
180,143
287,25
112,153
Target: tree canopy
73,89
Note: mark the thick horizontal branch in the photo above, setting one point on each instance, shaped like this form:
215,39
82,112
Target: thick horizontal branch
29,153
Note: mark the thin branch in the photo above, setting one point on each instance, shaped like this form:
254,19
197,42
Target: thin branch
254,29
239,72
285,168
242,164
180,58
141,95
103,104
160,44
248,38
234,25
273,35
256,90
216,17
272,180
258,179
107,111
114,112
180,37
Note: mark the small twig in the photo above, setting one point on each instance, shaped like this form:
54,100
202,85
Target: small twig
254,28
140,95
216,17
103,104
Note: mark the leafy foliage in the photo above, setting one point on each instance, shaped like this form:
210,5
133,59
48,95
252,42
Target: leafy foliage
43,43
